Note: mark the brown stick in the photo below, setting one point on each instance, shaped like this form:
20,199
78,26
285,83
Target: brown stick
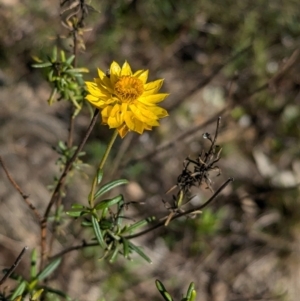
23,195
13,267
60,185
161,223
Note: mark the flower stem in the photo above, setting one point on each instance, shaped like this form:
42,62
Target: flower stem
101,165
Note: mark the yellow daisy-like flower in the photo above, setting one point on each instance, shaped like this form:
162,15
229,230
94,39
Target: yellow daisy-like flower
126,101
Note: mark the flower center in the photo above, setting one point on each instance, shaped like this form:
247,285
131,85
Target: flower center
128,88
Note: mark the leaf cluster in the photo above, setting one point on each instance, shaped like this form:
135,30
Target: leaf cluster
34,286
66,80
106,219
190,294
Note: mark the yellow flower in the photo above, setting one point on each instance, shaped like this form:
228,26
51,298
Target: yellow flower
126,101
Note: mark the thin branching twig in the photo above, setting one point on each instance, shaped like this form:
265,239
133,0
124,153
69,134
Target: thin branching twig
60,183
23,195
160,224
15,264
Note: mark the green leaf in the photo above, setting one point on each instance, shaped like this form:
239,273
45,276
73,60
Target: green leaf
98,232
33,264
19,290
139,251
140,224
163,290
125,247
78,70
37,294
108,203
42,65
49,269
86,224
56,292
190,290
77,212
54,55
61,145
70,59
109,186
36,59
114,254
52,96
62,56
193,296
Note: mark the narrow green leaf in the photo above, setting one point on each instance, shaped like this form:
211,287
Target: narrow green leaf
70,59
54,54
125,247
193,296
49,269
190,290
108,203
167,296
42,65
98,232
160,286
140,224
86,224
77,212
114,255
33,264
107,187
61,145
19,290
56,292
99,175
37,294
78,70
163,290
139,251
52,96
62,56
36,59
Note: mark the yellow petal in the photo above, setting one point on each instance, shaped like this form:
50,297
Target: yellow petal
126,70
115,118
128,118
113,122
104,84
96,101
139,127
115,71
151,100
104,120
152,87
123,130
95,90
142,75
116,110
142,114
152,123
158,111
106,111
101,74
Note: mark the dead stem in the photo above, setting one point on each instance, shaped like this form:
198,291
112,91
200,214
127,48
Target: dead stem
60,184
13,267
23,195
160,224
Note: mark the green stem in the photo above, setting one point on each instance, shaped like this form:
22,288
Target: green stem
101,165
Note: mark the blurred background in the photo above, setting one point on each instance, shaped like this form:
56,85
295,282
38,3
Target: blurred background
234,59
